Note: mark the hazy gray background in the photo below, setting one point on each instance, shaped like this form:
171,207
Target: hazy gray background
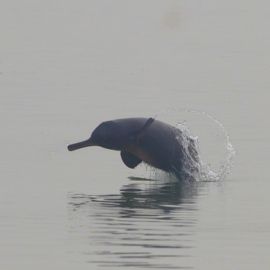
67,65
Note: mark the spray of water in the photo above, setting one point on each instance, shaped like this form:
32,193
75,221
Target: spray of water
194,168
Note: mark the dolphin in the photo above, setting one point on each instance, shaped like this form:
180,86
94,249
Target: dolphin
142,139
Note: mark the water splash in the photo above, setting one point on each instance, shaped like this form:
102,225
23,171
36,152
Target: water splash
195,168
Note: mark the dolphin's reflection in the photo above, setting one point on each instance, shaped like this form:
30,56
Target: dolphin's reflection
147,225
164,195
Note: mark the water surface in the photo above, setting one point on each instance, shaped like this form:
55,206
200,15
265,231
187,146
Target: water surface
66,66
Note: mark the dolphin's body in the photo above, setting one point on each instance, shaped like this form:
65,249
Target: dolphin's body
141,139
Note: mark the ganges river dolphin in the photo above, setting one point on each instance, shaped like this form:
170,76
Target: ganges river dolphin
142,139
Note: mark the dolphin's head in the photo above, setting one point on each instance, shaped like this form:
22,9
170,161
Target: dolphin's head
108,135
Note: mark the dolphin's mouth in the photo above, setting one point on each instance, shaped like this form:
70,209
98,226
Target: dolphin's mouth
79,145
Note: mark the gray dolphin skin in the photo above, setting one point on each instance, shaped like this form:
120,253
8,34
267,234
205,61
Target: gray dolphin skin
140,139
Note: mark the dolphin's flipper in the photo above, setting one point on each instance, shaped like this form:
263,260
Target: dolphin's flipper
130,160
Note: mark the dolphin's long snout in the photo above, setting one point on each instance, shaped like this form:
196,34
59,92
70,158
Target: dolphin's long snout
79,145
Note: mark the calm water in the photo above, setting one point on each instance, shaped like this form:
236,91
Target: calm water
66,66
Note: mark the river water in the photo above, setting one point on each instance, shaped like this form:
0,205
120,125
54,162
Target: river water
66,66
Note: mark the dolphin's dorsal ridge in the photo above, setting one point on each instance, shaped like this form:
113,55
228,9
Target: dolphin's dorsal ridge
140,133
130,160
147,123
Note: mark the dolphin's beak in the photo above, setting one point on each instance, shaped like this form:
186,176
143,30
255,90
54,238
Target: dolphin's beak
79,145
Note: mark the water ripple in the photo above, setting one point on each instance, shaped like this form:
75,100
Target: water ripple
146,226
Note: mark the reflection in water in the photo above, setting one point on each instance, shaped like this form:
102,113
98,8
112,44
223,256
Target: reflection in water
147,225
